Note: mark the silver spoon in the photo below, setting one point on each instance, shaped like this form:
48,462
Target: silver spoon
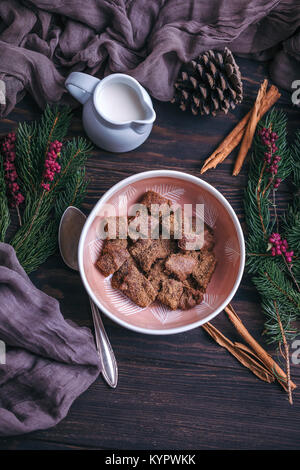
70,228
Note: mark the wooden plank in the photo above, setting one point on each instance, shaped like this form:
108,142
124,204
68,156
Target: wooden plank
162,405
26,443
179,391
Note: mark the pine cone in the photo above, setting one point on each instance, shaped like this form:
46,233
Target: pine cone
209,84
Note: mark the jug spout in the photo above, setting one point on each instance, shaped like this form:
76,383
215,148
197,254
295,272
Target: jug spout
141,126
81,85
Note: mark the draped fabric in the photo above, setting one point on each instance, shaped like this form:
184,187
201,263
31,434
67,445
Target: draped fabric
41,41
46,362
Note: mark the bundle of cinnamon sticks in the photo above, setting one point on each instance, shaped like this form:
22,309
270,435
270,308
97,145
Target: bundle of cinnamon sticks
254,357
244,131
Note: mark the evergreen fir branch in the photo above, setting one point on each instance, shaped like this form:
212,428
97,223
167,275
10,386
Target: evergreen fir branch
73,156
273,331
26,164
285,354
33,141
291,227
272,276
36,240
53,125
39,212
4,210
37,249
258,262
296,269
257,218
73,194
257,203
272,282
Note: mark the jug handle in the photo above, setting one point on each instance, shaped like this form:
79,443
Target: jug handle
81,85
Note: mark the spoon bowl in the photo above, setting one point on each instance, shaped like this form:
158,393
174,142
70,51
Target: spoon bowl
69,232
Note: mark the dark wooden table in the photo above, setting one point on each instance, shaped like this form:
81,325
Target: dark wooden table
181,391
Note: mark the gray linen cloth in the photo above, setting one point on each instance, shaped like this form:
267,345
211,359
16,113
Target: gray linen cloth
49,361
41,41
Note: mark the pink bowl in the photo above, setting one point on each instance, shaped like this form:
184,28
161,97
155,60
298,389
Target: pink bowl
229,249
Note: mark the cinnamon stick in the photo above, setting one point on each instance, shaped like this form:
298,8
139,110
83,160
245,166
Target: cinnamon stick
243,354
265,358
233,139
250,128
228,144
255,359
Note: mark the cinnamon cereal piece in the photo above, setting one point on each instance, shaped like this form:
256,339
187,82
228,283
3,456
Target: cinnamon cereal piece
129,280
180,265
112,256
204,268
170,293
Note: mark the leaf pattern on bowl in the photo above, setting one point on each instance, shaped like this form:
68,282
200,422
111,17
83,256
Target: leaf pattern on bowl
121,205
119,300
95,247
230,251
121,201
164,314
210,212
169,191
209,300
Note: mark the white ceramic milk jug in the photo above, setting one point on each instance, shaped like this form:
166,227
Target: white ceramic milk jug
117,111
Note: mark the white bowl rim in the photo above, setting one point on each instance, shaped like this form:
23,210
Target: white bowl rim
171,174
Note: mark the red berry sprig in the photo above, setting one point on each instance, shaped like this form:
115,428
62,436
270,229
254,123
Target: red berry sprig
280,247
268,138
51,165
13,189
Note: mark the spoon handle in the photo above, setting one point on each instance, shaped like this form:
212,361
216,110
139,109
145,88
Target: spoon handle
105,351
